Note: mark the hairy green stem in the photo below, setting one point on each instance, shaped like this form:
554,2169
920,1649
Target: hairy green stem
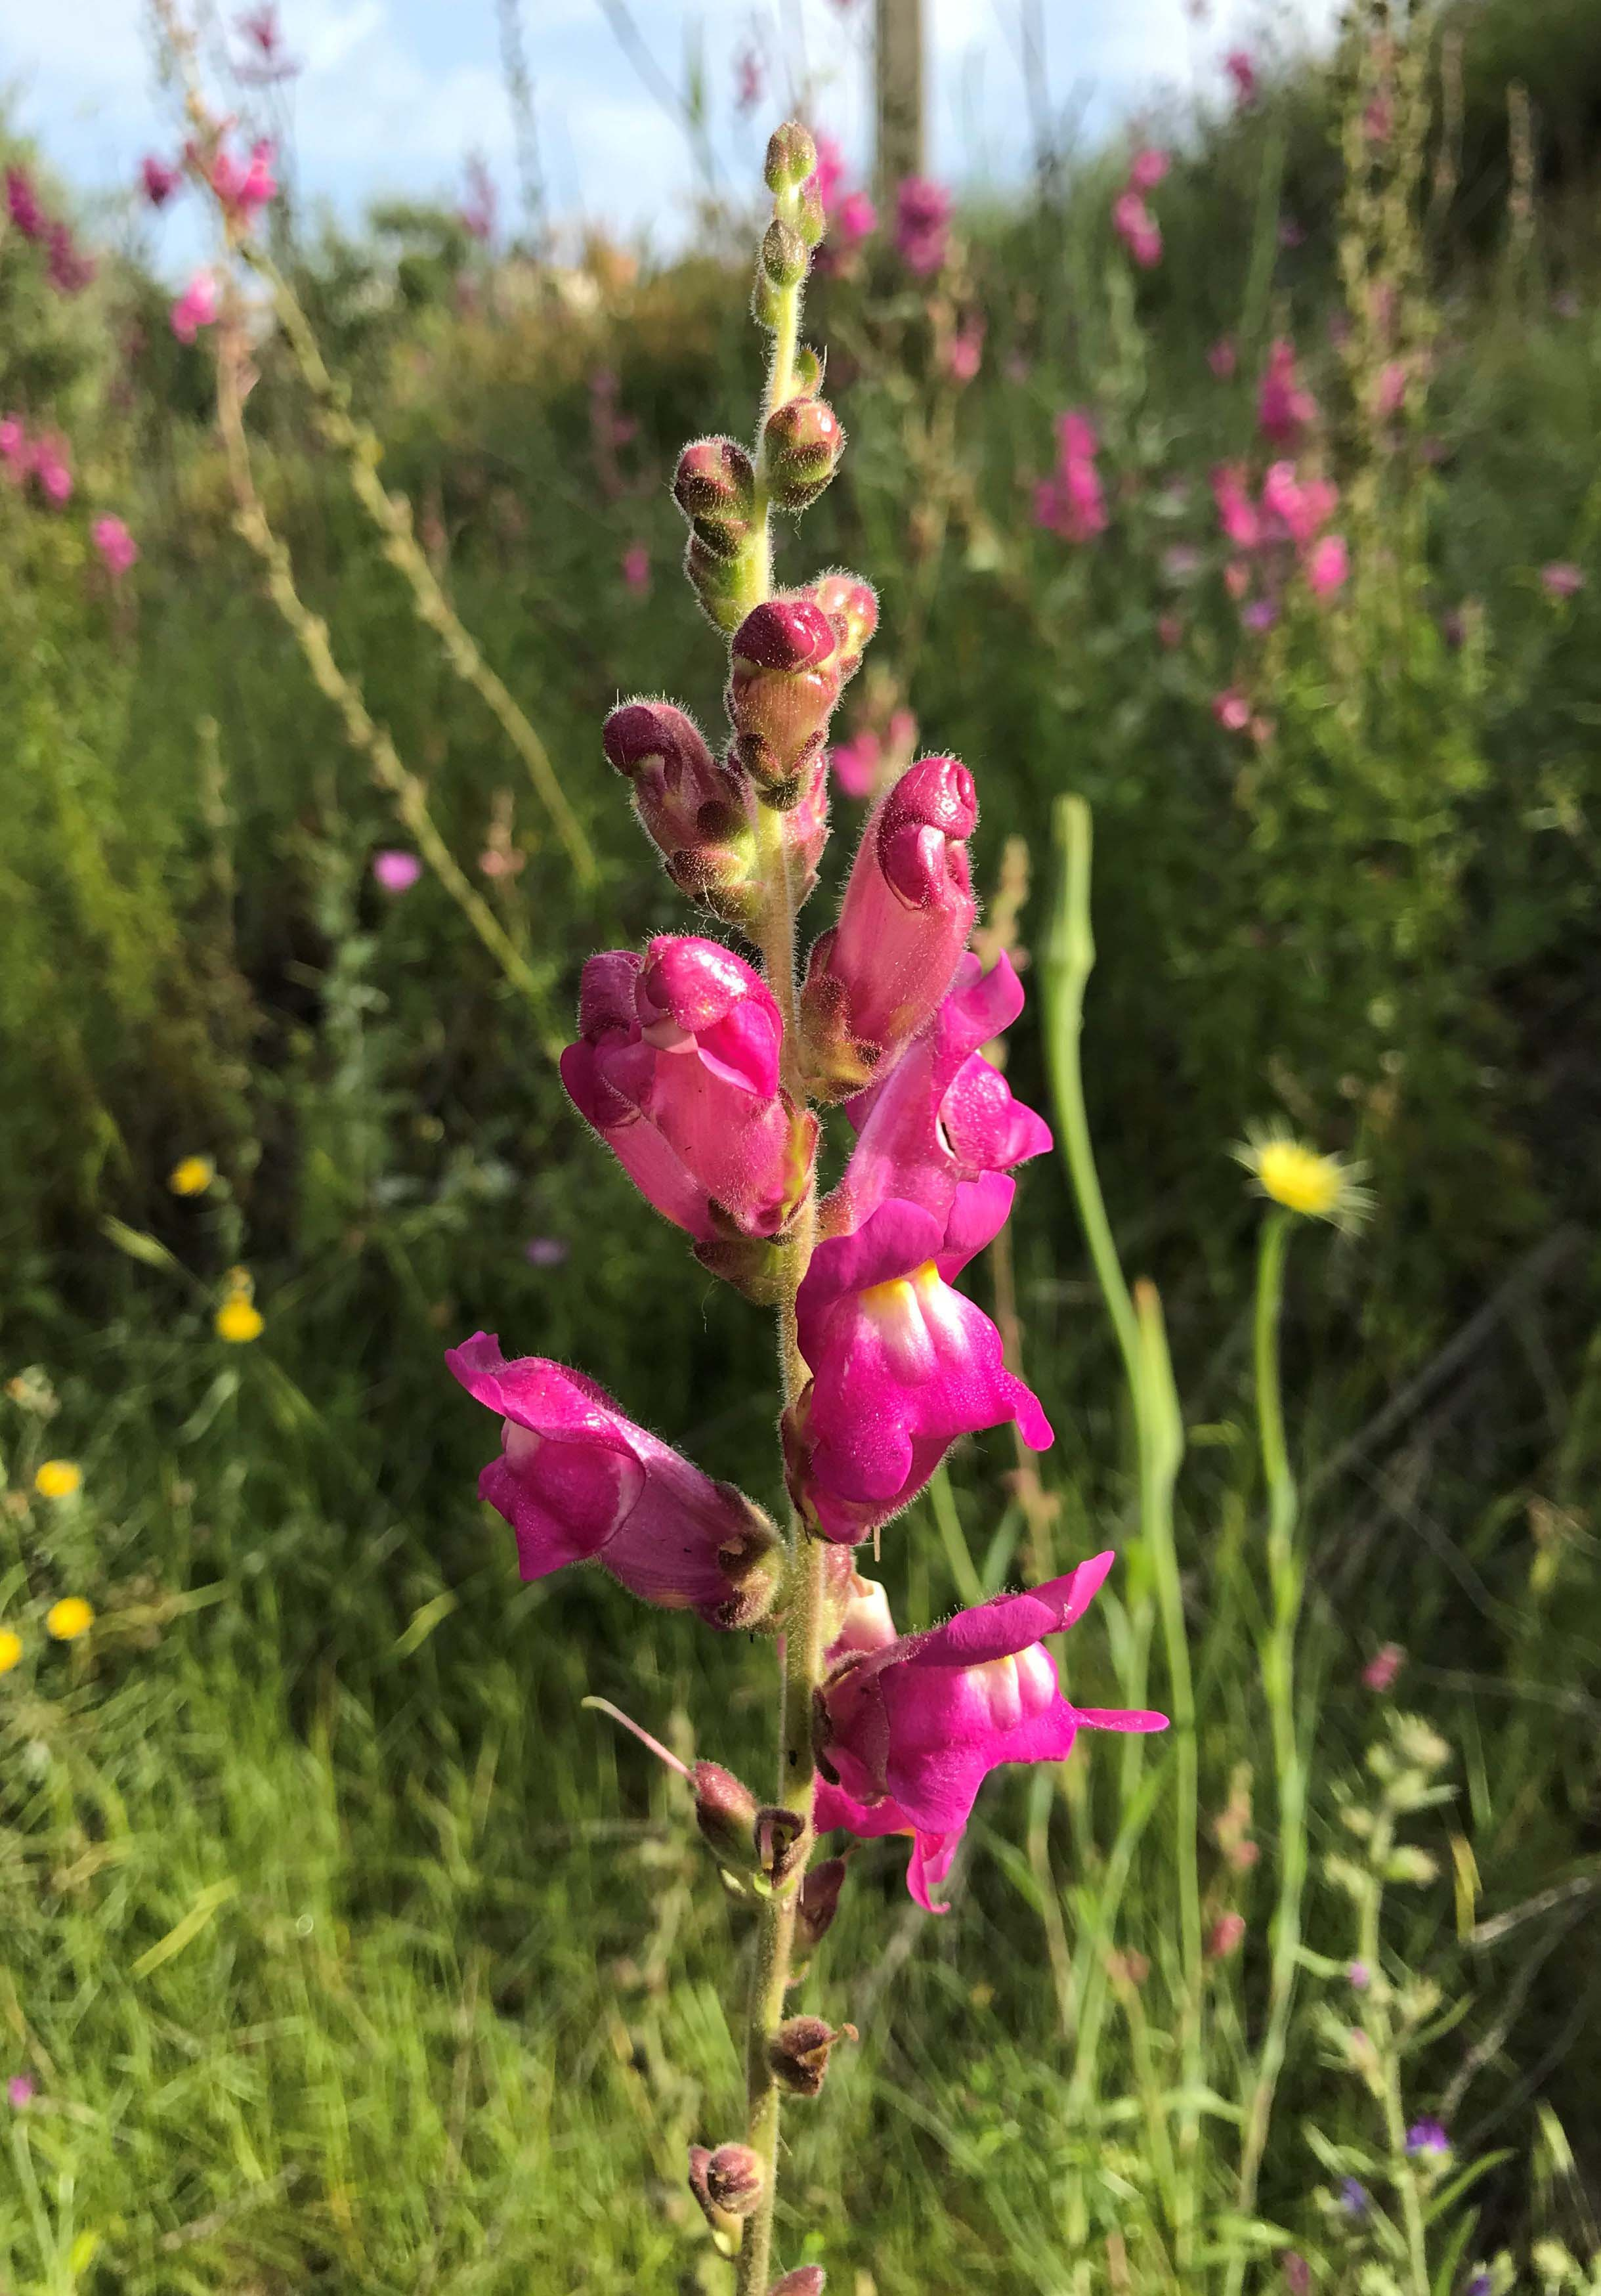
803,1616
1278,1656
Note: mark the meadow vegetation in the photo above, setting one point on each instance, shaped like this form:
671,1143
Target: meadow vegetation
339,1945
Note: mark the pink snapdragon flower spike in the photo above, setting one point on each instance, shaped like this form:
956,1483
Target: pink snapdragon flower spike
1296,509
1242,73
941,1118
910,1729
51,468
677,1070
117,546
196,307
901,1365
1138,229
1071,502
694,810
1236,512
922,225
244,187
1148,168
23,205
1327,565
880,975
853,220
1285,407
854,764
578,1482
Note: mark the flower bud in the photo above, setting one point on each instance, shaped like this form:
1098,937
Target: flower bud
1225,1937
819,1901
806,2280
780,1843
852,607
783,683
875,980
802,443
725,1811
806,829
715,486
798,2053
694,810
808,370
784,254
791,158
733,2177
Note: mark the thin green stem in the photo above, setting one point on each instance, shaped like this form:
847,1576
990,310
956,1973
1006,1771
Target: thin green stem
1377,2025
1277,1659
1159,1446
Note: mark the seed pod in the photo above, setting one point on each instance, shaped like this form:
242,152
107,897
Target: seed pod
819,1901
725,1812
798,2053
733,2177
779,1839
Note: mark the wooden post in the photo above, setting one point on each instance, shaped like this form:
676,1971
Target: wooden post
898,57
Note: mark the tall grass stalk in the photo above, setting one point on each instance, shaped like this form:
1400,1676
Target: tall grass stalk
1158,1437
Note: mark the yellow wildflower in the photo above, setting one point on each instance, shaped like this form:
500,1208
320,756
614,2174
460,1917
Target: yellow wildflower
11,1649
238,1319
69,1618
191,1176
58,1478
1303,1179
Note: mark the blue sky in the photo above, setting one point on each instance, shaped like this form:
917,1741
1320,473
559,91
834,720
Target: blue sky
394,93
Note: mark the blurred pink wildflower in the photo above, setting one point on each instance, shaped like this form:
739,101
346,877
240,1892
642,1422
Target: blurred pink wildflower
396,870
158,181
1562,579
1223,358
1327,564
922,224
636,569
1242,72
117,546
1285,407
196,307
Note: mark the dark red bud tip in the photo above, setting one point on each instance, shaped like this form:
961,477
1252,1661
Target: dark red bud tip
935,793
637,732
786,633
806,2280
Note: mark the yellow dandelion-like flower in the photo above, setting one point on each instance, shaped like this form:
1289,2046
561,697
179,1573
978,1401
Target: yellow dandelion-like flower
1303,1179
11,1649
191,1176
238,1319
66,1621
58,1478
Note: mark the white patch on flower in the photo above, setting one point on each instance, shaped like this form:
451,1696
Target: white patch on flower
912,1316
1012,1690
